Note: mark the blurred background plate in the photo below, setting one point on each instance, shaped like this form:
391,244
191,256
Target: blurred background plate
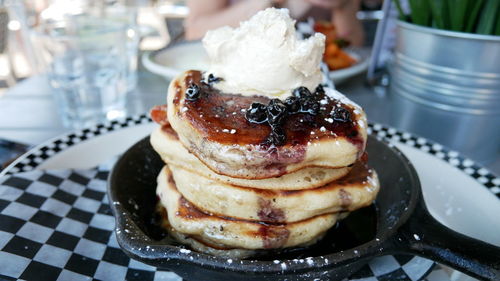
362,57
174,59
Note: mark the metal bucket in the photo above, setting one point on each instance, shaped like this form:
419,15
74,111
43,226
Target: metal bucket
446,86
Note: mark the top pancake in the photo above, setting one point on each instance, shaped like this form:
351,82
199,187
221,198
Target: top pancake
214,129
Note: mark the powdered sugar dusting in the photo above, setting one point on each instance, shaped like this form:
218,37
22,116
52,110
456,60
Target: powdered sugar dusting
334,94
283,266
185,251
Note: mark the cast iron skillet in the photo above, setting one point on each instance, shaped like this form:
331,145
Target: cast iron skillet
403,225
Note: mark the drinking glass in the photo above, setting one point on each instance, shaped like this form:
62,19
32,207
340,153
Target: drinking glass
88,67
125,14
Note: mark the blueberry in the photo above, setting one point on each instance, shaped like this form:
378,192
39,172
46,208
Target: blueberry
319,90
292,104
301,92
193,92
257,113
310,106
276,112
341,114
277,136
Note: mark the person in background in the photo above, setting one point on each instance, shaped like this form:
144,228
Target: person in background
210,14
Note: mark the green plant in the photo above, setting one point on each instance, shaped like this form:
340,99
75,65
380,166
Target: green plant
473,16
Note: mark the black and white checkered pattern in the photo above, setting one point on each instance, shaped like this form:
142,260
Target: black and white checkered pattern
480,174
399,267
36,156
57,225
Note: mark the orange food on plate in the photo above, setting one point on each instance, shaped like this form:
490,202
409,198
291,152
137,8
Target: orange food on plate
334,56
327,29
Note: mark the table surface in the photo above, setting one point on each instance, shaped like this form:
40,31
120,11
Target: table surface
29,115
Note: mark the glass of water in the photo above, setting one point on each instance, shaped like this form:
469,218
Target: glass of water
88,66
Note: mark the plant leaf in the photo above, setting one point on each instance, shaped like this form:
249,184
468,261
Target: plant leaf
475,8
445,10
458,11
497,27
402,15
440,16
420,12
487,20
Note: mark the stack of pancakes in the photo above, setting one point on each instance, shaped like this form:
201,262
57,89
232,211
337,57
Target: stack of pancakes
227,191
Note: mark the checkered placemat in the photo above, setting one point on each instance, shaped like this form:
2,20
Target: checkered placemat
57,225
469,167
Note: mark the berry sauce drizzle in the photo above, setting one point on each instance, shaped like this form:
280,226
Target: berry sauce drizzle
222,117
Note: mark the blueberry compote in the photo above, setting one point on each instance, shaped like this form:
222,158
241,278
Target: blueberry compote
277,111
231,118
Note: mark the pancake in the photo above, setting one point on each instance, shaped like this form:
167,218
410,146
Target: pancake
166,143
185,218
213,128
197,244
358,189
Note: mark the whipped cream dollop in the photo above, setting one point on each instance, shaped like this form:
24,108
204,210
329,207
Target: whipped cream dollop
263,56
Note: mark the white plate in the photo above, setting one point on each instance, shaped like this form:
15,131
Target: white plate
360,54
362,57
458,192
83,149
173,60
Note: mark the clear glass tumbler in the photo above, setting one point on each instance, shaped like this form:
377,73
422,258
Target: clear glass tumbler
127,15
88,67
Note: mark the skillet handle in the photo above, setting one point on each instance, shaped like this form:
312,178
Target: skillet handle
424,236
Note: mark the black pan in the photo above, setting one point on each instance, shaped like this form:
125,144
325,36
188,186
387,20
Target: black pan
398,223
